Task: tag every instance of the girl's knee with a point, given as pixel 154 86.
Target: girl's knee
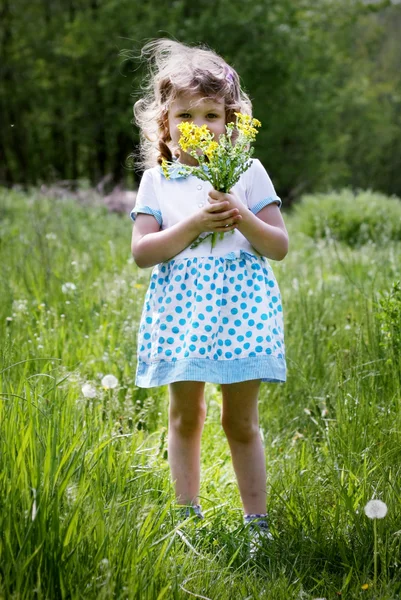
pixel 188 422
pixel 240 431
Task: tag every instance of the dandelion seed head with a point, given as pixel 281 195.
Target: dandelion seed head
pixel 88 390
pixel 109 382
pixel 376 509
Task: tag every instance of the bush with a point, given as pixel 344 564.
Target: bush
pixel 355 219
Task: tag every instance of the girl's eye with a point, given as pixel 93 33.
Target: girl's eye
pixel 185 116
pixel 212 116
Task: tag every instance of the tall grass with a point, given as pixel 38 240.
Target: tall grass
pixel 86 504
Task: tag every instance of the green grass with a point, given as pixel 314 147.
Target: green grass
pixel 86 504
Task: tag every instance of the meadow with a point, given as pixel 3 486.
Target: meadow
pixel 86 505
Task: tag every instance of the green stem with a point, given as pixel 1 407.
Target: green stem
pixel 375 552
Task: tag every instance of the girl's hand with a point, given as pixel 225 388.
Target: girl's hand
pixel 230 197
pixel 218 216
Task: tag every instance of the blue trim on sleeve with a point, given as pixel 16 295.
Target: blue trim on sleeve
pixel 265 202
pixel 147 211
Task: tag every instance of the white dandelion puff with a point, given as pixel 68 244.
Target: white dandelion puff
pixel 68 287
pixel 376 509
pixel 109 382
pixel 88 390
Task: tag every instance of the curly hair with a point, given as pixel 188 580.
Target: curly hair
pixel 176 68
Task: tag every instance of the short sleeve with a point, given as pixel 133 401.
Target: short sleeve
pixel 260 190
pixel 147 201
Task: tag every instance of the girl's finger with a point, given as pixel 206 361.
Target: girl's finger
pixel 215 195
pixel 226 215
pixel 212 201
pixel 216 206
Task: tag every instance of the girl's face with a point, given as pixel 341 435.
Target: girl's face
pixel 199 110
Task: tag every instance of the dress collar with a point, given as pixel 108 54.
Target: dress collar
pixel 174 170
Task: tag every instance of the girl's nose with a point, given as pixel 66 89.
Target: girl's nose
pixel 199 122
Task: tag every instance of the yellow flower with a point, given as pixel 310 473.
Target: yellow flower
pixel 193 136
pixel 186 128
pixel 247 125
pixel 183 144
pixel 165 168
pixel 243 118
pixel 211 149
pixel 204 131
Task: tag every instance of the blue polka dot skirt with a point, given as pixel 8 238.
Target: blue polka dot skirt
pixel 214 319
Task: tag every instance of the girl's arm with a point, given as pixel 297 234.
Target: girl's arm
pixel 266 231
pixel 151 246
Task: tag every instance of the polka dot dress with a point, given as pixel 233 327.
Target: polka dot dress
pixel 216 318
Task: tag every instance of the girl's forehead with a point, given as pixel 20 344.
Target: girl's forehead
pixel 196 101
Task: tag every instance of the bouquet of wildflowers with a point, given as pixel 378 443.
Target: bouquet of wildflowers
pixel 221 163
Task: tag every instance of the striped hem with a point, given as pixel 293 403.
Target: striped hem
pixel 255 209
pixel 265 368
pixel 147 211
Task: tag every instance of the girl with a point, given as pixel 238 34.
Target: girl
pixel 210 314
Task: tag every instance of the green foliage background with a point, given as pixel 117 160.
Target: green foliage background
pixel 324 78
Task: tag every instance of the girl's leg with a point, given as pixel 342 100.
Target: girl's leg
pixel 241 425
pixel 187 413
